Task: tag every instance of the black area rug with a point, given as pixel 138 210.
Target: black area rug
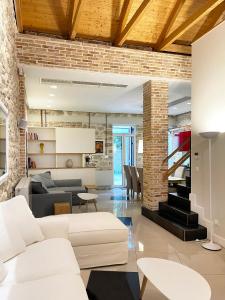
pixel 109 285
pixel 126 220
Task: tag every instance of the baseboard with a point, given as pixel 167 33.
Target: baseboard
pixel 204 221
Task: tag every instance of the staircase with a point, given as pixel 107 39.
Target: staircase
pixel 175 215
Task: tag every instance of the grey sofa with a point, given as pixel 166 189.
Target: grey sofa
pixel 42 198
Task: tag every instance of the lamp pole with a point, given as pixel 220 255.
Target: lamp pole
pixel 210 245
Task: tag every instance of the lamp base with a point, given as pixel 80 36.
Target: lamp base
pixel 211 246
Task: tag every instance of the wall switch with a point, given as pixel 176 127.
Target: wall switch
pixel 216 222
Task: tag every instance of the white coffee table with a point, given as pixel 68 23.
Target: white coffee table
pixel 174 280
pixel 88 198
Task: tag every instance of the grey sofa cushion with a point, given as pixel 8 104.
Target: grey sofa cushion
pixel 68 182
pixel 44 178
pixel 72 189
pixel 38 188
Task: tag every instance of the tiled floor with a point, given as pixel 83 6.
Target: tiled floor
pixel 147 239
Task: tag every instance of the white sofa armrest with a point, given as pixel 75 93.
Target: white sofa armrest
pixel 54 226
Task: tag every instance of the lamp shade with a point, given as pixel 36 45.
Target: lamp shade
pixel 140 146
pixel 209 134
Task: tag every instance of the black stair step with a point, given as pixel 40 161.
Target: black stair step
pixel 182 232
pixel 183 190
pixel 188 181
pixel 179 202
pixel 186 218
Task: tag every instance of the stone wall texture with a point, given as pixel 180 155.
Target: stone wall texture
pixel 9 94
pixel 71 119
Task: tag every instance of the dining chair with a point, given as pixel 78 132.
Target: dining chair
pixel 135 181
pixel 128 181
pixel 140 173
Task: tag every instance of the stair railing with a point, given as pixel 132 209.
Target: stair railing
pixel 187 140
pixel 177 164
pixel 172 169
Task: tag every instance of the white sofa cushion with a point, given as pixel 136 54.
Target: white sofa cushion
pixel 18 209
pixel 11 242
pixel 54 226
pixel 96 228
pixel 3 272
pixel 64 286
pixel 42 259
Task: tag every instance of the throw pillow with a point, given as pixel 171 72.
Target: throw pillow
pixel 45 179
pixel 3 272
pixel 18 209
pixel 11 241
pixel 38 188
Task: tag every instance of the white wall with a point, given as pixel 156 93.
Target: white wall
pixel 208 114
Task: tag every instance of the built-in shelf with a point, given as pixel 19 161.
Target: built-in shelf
pixel 53 168
pixel 41 141
pixel 46 153
pixel 42 153
pixel 57 141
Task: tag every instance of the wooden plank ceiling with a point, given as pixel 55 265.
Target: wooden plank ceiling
pixel 163 25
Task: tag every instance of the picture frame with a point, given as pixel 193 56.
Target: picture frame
pixel 99 147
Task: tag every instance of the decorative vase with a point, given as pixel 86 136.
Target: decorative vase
pixel 42 146
pixel 69 163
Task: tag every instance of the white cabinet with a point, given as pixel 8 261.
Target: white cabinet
pixel 75 140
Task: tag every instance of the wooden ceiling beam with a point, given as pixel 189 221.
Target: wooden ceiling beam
pixel 176 48
pixel 171 20
pixel 134 20
pixel 200 13
pixel 124 16
pixel 74 16
pixel 19 22
pixel 210 21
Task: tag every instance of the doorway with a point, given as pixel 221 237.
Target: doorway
pixel 123 151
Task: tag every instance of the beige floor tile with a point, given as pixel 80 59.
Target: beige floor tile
pixel 204 262
pixel 217 284
pixel 147 239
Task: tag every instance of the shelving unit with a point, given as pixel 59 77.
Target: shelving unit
pixel 53 158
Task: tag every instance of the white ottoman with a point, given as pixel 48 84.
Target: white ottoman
pixel 98 239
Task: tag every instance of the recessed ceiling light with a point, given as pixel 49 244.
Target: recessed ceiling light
pixel 51 95
pixel 189 103
pixel 53 86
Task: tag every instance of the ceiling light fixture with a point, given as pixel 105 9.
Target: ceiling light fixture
pixel 51 95
pixel 189 103
pixel 53 86
pixel 174 107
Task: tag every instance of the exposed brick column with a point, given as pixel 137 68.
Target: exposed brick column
pixel 155 94
pixel 23 115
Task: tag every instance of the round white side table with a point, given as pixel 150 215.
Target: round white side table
pixel 173 280
pixel 88 198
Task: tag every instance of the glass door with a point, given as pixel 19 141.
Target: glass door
pixel 123 152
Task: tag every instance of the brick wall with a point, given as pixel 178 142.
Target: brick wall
pixel 155 142
pixel 9 93
pixel 51 52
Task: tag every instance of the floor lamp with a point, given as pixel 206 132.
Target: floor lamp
pixel 210 245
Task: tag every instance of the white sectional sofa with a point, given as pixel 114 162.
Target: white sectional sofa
pixel 37 258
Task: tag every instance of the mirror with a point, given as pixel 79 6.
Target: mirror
pixel 3 142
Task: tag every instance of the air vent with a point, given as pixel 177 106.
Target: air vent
pixel 72 82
